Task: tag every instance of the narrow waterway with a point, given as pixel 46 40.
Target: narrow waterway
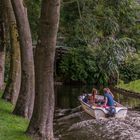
pixel 66 97
pixel 71 123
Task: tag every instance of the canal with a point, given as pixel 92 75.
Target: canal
pixel 67 97
pixel 77 125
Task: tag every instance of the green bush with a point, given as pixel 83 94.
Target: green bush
pixel 130 70
pixel 109 33
pixel 78 65
pixel 95 65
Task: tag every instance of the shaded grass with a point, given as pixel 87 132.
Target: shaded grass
pixel 133 86
pixel 12 127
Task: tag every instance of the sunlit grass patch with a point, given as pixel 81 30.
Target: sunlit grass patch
pixel 133 86
pixel 11 127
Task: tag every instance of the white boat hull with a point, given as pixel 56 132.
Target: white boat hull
pixel 101 112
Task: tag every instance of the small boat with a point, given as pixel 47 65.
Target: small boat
pixel 99 111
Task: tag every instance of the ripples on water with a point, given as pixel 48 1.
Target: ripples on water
pixel 77 125
pixel 80 126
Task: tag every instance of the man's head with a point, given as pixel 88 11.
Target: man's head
pixel 105 90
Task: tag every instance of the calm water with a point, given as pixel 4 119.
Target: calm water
pixel 66 97
pixel 80 126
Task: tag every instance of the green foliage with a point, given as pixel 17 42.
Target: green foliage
pixel 120 82
pixel 130 70
pixel 68 19
pixel 108 57
pixel 94 21
pixel 95 65
pixel 33 14
pixel 11 127
pixel 78 65
pixel 109 28
pixel 106 19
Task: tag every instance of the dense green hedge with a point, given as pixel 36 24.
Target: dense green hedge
pixel 130 70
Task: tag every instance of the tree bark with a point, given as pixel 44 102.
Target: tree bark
pixel 13 85
pixel 2 61
pixel 41 124
pixel 24 105
pixel 2 46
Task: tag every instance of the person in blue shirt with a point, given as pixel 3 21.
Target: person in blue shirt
pixel 109 101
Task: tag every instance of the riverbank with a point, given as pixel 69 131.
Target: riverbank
pixel 132 88
pixel 11 127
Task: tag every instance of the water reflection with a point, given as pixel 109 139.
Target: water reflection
pixel 127 101
pixel 66 97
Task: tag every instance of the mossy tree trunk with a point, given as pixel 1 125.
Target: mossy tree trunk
pixel 13 85
pixel 2 56
pixel 24 105
pixel 41 124
pixel 2 46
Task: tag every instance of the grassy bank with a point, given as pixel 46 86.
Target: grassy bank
pixel 11 126
pixel 133 86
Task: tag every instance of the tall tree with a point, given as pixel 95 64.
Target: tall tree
pixel 41 124
pixel 2 45
pixel 24 105
pixel 13 85
pixel 2 55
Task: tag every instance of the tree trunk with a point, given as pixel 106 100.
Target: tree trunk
pixel 2 61
pixel 2 46
pixel 13 85
pixel 24 105
pixel 41 124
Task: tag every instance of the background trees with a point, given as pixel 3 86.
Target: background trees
pixel 111 31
